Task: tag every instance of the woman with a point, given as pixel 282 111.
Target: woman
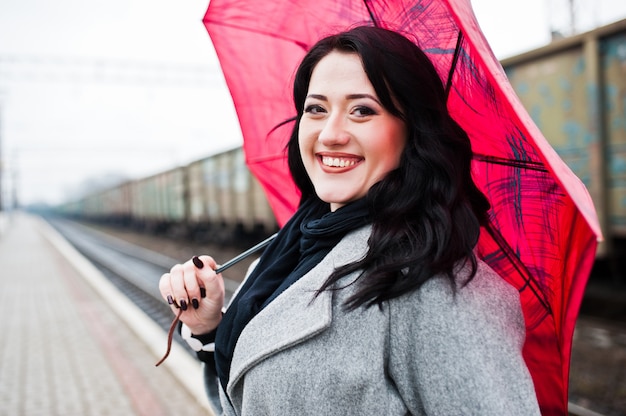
pixel 371 299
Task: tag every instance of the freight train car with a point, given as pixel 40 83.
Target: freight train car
pixel 158 201
pixel 575 91
pixel 215 198
pixel 112 206
pixel 223 194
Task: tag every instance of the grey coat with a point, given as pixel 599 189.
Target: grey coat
pixel 425 353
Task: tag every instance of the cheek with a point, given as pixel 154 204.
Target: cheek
pixel 306 151
pixel 305 140
pixel 390 151
pixel 303 147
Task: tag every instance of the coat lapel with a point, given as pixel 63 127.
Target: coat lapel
pixel 295 315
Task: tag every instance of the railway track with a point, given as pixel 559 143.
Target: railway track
pixel 135 271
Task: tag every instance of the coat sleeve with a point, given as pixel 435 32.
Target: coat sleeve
pixel 461 354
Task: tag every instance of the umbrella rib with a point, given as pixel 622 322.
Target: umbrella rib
pixel 522 164
pixel 518 265
pixel 455 59
pixel 369 11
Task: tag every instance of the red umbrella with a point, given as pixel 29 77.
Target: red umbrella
pixel 543 228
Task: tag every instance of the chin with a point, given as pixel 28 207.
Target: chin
pixel 336 194
pixel 336 203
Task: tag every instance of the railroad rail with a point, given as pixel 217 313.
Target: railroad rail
pixel 135 271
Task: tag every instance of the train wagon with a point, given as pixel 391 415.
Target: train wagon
pixel 109 205
pixel 225 199
pixel 575 91
pixel 158 201
pixel 215 198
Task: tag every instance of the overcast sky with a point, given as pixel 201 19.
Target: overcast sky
pixel 91 90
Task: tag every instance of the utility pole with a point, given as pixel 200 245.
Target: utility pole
pixel 562 17
pixel 1 163
pixel 572 16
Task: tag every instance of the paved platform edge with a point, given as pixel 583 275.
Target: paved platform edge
pixel 185 368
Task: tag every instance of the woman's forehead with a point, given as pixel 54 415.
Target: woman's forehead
pixel 339 70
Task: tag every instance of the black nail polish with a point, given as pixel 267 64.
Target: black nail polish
pixel 202 292
pixel 197 262
pixel 170 300
pixel 195 303
pixel 183 304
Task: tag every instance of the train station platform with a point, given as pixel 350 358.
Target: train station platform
pixel 71 344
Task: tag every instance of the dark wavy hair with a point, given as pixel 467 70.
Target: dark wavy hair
pixel 427 213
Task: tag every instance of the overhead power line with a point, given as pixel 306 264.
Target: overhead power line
pixel 51 69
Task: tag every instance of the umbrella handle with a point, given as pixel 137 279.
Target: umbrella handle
pixel 245 254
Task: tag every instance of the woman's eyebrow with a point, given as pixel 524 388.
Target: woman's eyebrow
pixel 349 97
pixel 317 96
pixel 358 96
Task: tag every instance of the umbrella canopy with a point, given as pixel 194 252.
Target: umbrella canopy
pixel 543 227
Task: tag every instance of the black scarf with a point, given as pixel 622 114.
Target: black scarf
pixel 300 245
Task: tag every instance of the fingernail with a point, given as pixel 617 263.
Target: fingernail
pixel 170 299
pixel 195 303
pixel 197 262
pixel 202 292
pixel 183 304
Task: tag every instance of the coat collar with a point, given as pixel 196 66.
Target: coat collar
pixel 296 314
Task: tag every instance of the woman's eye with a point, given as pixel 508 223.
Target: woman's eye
pixel 363 111
pixel 314 109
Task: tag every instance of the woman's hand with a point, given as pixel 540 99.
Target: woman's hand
pixel 198 291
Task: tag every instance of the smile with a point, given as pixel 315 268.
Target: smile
pixel 337 162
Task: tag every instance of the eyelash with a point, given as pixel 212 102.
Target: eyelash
pixel 364 110
pixel 313 108
pixel 360 110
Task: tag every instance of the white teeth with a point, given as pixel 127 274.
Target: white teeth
pixel 336 162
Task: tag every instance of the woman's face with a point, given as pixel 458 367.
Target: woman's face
pixel 348 140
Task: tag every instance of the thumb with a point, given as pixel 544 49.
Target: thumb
pixel 211 284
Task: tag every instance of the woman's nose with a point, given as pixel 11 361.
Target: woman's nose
pixel 334 132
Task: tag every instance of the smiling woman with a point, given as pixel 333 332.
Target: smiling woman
pixel 371 299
